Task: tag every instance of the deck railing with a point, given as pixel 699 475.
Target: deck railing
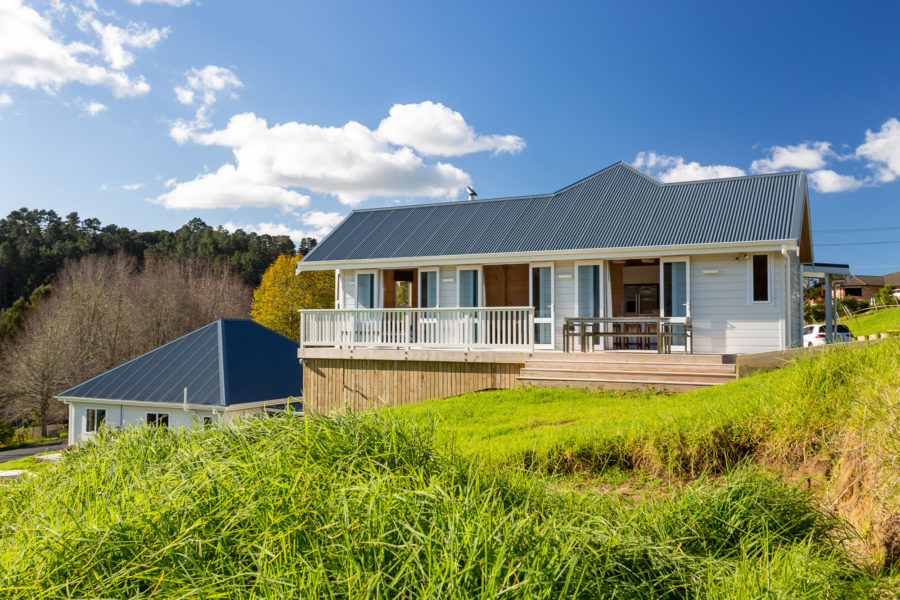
pixel 497 328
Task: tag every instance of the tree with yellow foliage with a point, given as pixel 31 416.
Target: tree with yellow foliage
pixel 281 294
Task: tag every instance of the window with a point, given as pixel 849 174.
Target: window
pixel 588 290
pixel 428 289
pixel 468 288
pixel 365 290
pixel 208 421
pixel 857 291
pixel 96 417
pixel 760 278
pixel 158 419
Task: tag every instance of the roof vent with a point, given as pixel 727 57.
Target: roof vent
pixel 472 193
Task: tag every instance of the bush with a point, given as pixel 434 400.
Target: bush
pixel 7 432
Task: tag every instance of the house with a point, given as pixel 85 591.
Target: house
pixel 719 259
pixel 866 287
pixel 221 371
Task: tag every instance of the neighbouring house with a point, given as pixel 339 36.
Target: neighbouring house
pixel 866 287
pixel 221 371
pixel 482 289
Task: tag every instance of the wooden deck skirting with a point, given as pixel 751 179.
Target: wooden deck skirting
pixel 358 384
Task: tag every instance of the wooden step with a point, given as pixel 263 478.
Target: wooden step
pixel 597 384
pixel 635 357
pixel 636 366
pixel 627 375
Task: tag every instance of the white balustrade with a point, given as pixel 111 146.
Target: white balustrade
pixel 496 328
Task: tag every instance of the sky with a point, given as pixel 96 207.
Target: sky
pixel 281 117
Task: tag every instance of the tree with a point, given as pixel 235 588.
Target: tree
pixel 886 295
pixel 282 293
pixel 104 311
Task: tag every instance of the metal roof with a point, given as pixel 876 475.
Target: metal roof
pixel 229 361
pixel 617 207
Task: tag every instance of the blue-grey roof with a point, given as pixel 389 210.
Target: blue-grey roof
pixel 229 361
pixel 617 207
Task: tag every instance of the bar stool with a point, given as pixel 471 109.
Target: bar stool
pixel 649 343
pixel 633 343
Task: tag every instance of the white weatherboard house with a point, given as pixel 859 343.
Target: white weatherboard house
pixel 720 258
pixel 224 370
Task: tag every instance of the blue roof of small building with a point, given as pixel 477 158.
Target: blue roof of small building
pixel 618 207
pixel 229 361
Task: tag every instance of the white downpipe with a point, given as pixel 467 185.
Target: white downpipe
pixel 787 294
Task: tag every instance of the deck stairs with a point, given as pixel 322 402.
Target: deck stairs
pixel 627 370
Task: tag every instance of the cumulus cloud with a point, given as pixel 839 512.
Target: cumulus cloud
pixel 204 84
pixel 130 187
pixel 882 151
pixel 829 182
pixel 352 162
pixel 33 55
pixel 5 99
pixel 674 168
pixel 806 156
pixel 115 40
pixel 321 225
pixel 94 108
pixel 433 129
pixel 229 188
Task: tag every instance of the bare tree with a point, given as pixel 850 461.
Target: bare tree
pixel 105 311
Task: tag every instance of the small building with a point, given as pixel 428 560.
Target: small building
pixel 866 287
pixel 224 370
pixel 485 293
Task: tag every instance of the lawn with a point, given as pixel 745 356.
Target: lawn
pixel 877 321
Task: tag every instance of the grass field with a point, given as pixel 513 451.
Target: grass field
pixel 877 321
pixel 451 498
pixel 373 506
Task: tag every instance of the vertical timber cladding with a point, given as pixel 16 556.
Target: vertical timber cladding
pixel 506 285
pixel 353 384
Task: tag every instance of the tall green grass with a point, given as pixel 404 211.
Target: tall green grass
pixel 372 505
pixel 876 321
pixel 809 407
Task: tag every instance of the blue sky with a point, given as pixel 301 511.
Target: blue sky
pixel 284 116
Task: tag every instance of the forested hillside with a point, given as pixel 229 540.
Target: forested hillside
pixel 36 244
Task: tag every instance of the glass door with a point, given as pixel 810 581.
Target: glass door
pixel 676 297
pixel 542 301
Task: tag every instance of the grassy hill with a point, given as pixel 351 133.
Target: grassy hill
pixel 876 321
pixel 459 498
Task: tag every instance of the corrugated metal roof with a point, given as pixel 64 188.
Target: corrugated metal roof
pixel 229 361
pixel 617 207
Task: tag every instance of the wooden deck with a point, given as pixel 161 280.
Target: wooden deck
pixel 362 378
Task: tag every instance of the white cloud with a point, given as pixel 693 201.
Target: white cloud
pixel 433 129
pixel 5 99
pixel 130 187
pixel 33 55
pixel 169 2
pixel 351 162
pixel 675 168
pixel 114 41
pixel 322 223
pixel 94 108
pixel 207 82
pixel 829 182
pixel 229 188
pixel 882 151
pixel 806 156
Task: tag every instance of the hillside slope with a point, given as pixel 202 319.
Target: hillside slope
pixel 876 321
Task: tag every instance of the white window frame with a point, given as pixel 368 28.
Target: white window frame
pixel 437 275
pixel 552 317
pixel 662 283
pixel 601 280
pixel 480 284
pixel 158 415
pixel 87 419
pixel 769 274
pixel 376 279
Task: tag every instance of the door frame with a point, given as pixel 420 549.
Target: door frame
pixel 552 318
pixel 687 291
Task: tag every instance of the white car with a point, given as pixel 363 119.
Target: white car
pixel 814 335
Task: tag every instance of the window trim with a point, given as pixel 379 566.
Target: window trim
pixel 769 283
pixel 376 297
pixel 87 420
pixel 480 286
pixel 601 281
pixel 155 422
pixel 437 288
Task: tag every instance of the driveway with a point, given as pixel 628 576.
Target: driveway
pixel 32 450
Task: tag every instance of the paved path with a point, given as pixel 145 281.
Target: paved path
pixel 32 450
